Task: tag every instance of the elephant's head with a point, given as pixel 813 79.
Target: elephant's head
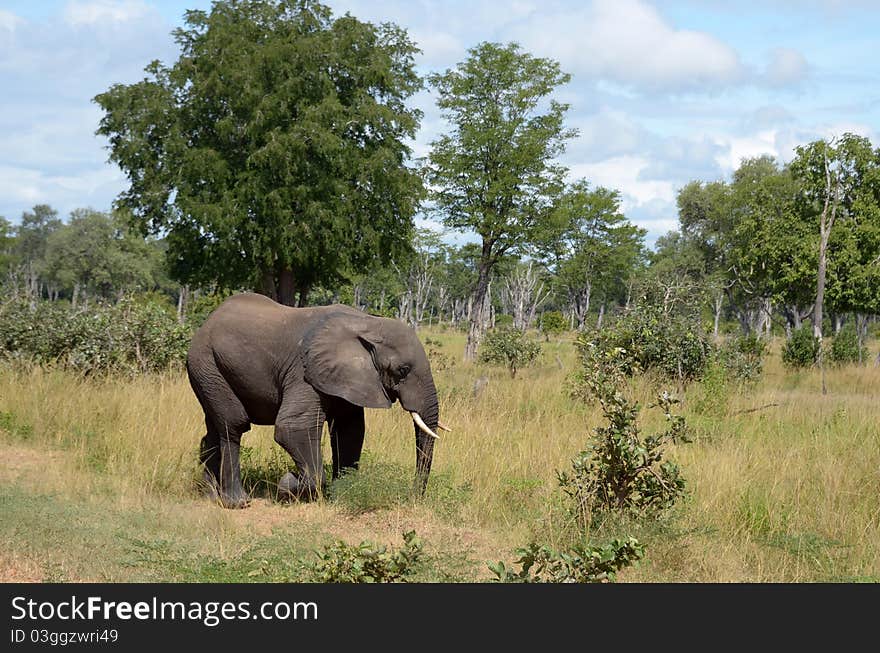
pixel 373 362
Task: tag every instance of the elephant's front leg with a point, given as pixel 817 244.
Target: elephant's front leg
pixel 301 438
pixel 346 423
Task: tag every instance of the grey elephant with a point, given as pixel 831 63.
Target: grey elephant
pixel 257 362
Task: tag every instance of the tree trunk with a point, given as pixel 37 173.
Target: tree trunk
pixel 795 317
pixel 861 333
pixel 267 285
pixel 286 287
pixel 582 304
pixel 479 313
pixel 826 223
pixel 304 292
pixel 601 315
pixel 182 301
pixel 718 305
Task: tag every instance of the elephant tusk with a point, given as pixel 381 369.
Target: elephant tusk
pixel 443 426
pixel 421 424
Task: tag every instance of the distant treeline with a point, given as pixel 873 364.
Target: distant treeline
pixel 300 183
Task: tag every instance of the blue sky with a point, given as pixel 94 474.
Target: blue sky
pixel 662 91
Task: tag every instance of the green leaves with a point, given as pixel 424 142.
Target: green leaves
pixel 510 347
pixel 621 470
pixel 494 173
pixel 594 564
pixel 801 349
pixel 596 250
pixel 367 562
pixel 276 144
pixel 132 336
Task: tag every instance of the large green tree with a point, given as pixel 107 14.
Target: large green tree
pixel 273 154
pixel 494 173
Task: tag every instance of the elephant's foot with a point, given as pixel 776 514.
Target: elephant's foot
pixel 294 488
pixel 234 500
pixel 208 487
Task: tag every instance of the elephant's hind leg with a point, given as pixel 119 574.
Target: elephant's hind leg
pixel 209 457
pixel 226 421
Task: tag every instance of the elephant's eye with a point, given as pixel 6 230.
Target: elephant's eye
pixel 402 371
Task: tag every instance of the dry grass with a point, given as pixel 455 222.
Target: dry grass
pixel 784 493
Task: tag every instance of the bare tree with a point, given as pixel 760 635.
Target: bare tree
pixel 522 293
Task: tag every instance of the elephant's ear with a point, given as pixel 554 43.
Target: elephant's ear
pixel 338 360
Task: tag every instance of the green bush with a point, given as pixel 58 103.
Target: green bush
pixel 509 347
pixel 130 336
pixel 674 345
pixel 742 358
pixel 552 323
pixel 503 321
pixel 367 562
pixel 596 564
pixel 621 470
pixel 801 349
pixel 846 348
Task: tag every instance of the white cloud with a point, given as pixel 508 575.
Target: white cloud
pixel 89 12
pixel 93 187
pixel 770 115
pixel 622 173
pixel 786 67
pixel 737 148
pixel 438 48
pixel 9 21
pixel 628 41
pixel 607 133
pixel 781 142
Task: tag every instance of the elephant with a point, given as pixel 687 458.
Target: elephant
pixel 255 361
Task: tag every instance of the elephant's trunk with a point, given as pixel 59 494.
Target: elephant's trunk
pixel 424 458
pixel 425 424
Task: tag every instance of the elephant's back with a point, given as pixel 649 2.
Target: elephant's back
pixel 239 346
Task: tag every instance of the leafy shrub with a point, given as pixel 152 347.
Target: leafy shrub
pixel 367 562
pixel 621 470
pixel 596 564
pixel 509 347
pixel 742 358
pixel 552 323
pixel 846 348
pixel 439 359
pixel 129 336
pixel 675 345
pixel 801 349
pixel 503 321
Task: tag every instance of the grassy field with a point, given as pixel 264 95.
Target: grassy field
pixel 97 480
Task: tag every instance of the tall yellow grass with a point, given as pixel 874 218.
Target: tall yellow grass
pixel 784 482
